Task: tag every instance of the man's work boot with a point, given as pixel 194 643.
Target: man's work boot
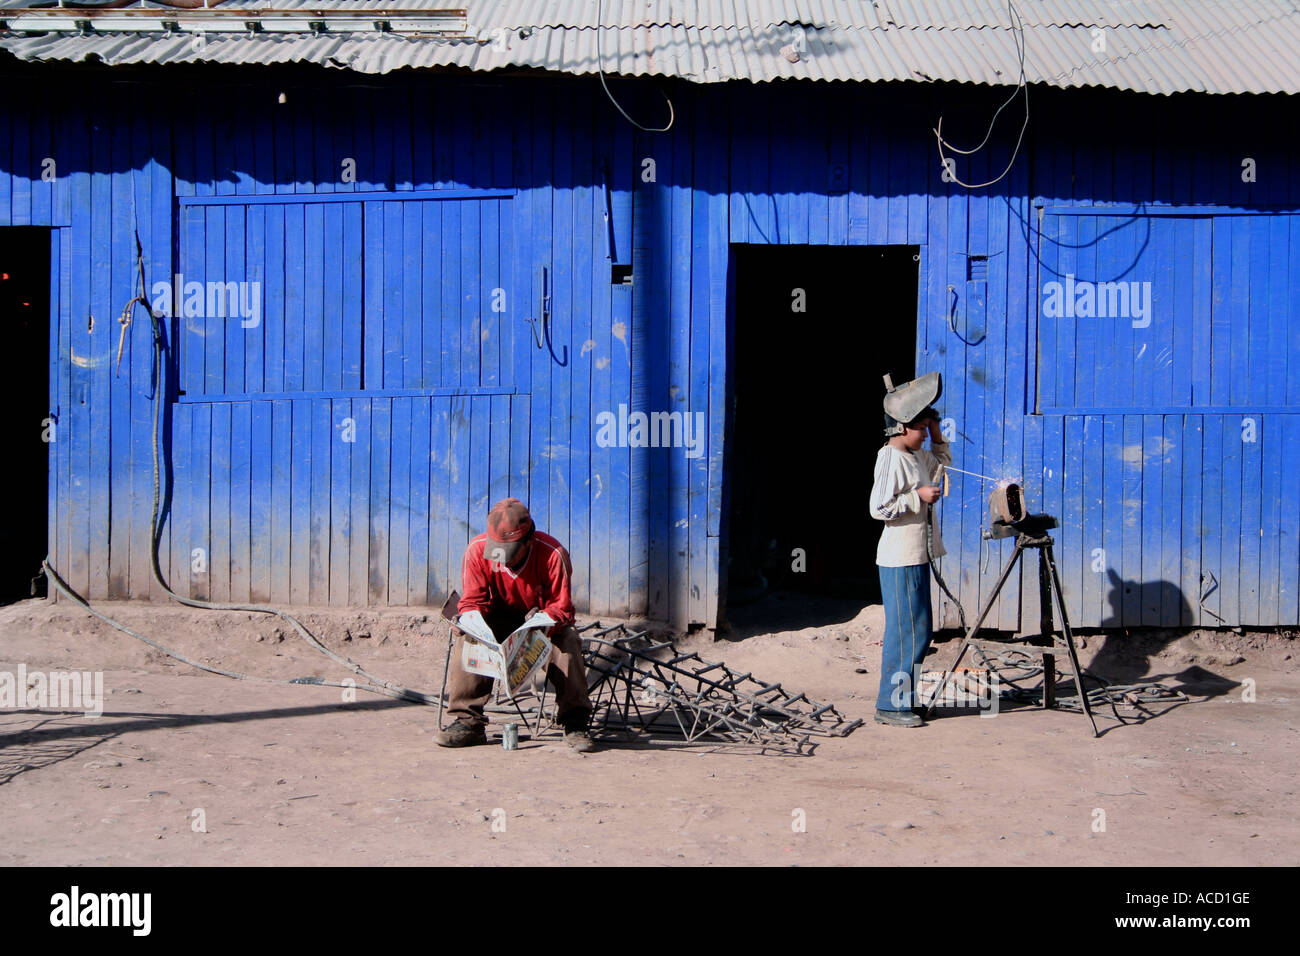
pixel 898 718
pixel 575 732
pixel 461 734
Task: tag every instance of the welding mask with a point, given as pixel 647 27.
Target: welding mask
pixel 911 401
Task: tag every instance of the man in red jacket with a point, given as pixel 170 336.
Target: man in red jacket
pixel 508 573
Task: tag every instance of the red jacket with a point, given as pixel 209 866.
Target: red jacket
pixel 543 581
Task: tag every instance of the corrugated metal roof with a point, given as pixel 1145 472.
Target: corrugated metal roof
pixel 1153 46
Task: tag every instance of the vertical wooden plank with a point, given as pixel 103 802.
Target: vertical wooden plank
pixel 255 272
pixel 1251 529
pixel 711 227
pixel 1073 534
pixel 420 512
pixel 1171 508
pixel 372 369
pixel 336 334
pixel 359 505
pixel 412 313
pixel 241 465
pixel 322 447
pixel 471 303
pixel 161 231
pixel 100 354
pixel 219 505
pixel 343 441
pixel 399 502
pixel 1093 551
pixel 451 299
pixel 1116 491
pixel 623 175
pixel 314 298
pixel 300 504
pixel 261 459
pixel 200 489
pixel 275 304
pixel 295 302
pixel 393 290
pixel 1288 533
pixel 490 327
pixel 352 314
pixel 460 525
pixel 540 231
pixel 431 279
pixel 380 489
pixel 1152 463
pixel 580 430
pixel 233 330
pixel 1232 546
pixel 1190 541
pixel 444 567
pixel 1273 495
pixel 212 323
pixel 1212 503
pixel 1131 503
pixel 479 460
pixel 180 580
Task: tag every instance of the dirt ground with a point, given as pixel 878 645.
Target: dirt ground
pixel 188 768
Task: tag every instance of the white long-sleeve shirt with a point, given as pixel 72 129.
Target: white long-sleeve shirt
pixel 894 500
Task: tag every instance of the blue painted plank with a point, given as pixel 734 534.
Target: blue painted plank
pixel 399 501
pixel 1114 481
pixel 1092 542
pixel 540 230
pixel 353 296
pixel 336 335
pixel 412 311
pixel 299 112
pixel 1192 523
pixel 241 474
pixel 1251 530
pixel 470 310
pixel 213 324
pixel 380 491
pixel 1073 535
pixel 430 295
pixel 1131 502
pixel 124 284
pixel 255 271
pixel 1274 307
pixel 1171 508
pixel 1288 532
pixel 359 505
pixel 343 443
pixel 300 505
pixel 179 518
pixel 261 490
pixel 275 305
pixel 393 303
pixel 623 176
pixel 200 490
pixel 1238 369
pixel 498 448
pixel 372 369
pixel 1272 493
pixel 444 566
pixel 295 301
pixel 587 227
pixel 314 290
pixel 1232 551
pixel 451 297
pixel 490 320
pixel 479 461
pixel 1212 560
pixel 236 333
pixel 318 561
pixel 1152 463
pixel 219 505
pixel 461 524
pixel 420 513
pixel 104 306
pixel 327 170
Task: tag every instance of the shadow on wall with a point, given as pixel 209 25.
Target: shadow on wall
pixel 1127 654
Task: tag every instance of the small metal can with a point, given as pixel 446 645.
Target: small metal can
pixel 510 737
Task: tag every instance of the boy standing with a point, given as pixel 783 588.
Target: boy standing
pixel 904 490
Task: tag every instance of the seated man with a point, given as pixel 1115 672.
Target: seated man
pixel 510 572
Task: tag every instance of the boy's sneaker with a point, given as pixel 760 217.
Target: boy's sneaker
pixel 898 718
pixel 461 734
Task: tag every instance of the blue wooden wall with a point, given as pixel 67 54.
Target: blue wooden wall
pixel 344 448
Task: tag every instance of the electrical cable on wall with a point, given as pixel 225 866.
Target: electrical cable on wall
pixel 1018 35
pixel 600 69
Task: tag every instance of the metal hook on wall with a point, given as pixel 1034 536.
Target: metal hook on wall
pixel 544 340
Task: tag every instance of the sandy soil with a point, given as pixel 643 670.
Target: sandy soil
pixel 295 775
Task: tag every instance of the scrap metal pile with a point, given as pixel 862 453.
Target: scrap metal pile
pixel 646 689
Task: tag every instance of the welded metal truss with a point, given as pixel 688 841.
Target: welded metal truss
pixel 647 688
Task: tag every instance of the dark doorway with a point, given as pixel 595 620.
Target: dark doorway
pixel 806 419
pixel 25 318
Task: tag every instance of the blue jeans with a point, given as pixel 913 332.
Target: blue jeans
pixel 906 594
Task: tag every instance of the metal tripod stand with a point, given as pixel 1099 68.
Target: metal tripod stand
pixel 1031 532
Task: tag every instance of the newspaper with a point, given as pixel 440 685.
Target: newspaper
pixel 513 661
